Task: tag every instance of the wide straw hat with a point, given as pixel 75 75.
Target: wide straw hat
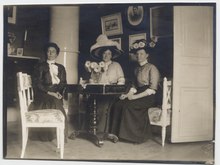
pixel 102 44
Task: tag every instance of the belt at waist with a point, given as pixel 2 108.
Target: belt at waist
pixel 141 89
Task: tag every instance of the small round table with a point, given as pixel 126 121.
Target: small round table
pixel 94 90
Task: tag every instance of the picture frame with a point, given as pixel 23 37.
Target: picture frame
pixel 134 37
pixel 112 24
pixel 161 21
pixel 135 14
pixel 117 40
pixel 12 13
pixel 20 51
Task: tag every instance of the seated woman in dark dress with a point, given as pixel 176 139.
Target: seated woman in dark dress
pixel 49 81
pixel 129 119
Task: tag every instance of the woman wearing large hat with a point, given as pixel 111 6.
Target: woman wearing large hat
pixel 129 114
pixel 106 50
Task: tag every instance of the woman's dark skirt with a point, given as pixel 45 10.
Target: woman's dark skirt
pixel 129 119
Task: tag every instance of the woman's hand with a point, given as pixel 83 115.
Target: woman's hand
pixel 132 97
pixel 57 94
pixel 123 96
pixel 129 94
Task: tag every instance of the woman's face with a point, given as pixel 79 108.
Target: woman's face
pixel 107 55
pixel 51 53
pixel 141 55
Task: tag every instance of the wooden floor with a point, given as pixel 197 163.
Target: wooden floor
pixel 83 149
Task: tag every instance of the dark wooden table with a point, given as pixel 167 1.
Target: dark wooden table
pixel 94 90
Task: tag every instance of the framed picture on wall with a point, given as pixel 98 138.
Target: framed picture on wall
pixel 112 24
pixel 135 14
pixel 118 40
pixel 161 21
pixel 134 37
pixel 20 51
pixel 12 14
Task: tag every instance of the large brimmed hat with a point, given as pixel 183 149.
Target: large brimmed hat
pixel 102 44
pixel 140 44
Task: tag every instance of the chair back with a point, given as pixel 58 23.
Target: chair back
pixel 167 101
pixel 25 93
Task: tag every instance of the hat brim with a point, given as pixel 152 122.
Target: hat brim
pixel 133 51
pixel 97 52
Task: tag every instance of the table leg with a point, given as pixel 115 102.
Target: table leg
pixel 92 134
pixel 93 126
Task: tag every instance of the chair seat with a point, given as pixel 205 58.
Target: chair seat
pixel 45 116
pixel 155 116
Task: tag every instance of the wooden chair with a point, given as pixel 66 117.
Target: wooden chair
pixel 37 118
pixel 161 116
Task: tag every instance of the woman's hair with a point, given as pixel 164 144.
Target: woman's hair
pixel 145 49
pixel 51 44
pixel 106 48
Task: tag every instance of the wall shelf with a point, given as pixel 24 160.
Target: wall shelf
pixel 24 57
pixel 14 65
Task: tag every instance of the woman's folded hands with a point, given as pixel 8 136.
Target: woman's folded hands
pixel 55 94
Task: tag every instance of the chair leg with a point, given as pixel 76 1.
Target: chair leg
pixel 58 137
pixel 24 140
pixel 163 135
pixel 61 142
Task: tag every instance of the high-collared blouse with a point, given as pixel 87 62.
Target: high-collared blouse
pixel 148 75
pixel 42 79
pixel 113 74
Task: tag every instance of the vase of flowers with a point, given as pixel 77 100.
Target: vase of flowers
pixel 96 70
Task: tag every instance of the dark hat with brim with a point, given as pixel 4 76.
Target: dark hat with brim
pixel 140 44
pixel 102 44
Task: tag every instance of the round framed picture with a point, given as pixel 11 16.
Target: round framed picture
pixel 135 14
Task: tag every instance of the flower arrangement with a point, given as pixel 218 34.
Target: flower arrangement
pixel 94 66
pixel 143 44
pixel 96 69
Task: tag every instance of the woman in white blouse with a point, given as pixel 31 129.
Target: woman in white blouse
pixel 107 50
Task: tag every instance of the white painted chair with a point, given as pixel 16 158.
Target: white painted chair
pixel 161 116
pixel 37 118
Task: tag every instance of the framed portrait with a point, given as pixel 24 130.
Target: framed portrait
pixel 161 21
pixel 134 37
pixel 112 24
pixel 20 51
pixel 12 14
pixel 118 40
pixel 135 14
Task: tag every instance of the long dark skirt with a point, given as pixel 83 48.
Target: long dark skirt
pixel 104 104
pixel 47 102
pixel 129 119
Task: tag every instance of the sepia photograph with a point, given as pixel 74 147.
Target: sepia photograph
pixel 80 85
